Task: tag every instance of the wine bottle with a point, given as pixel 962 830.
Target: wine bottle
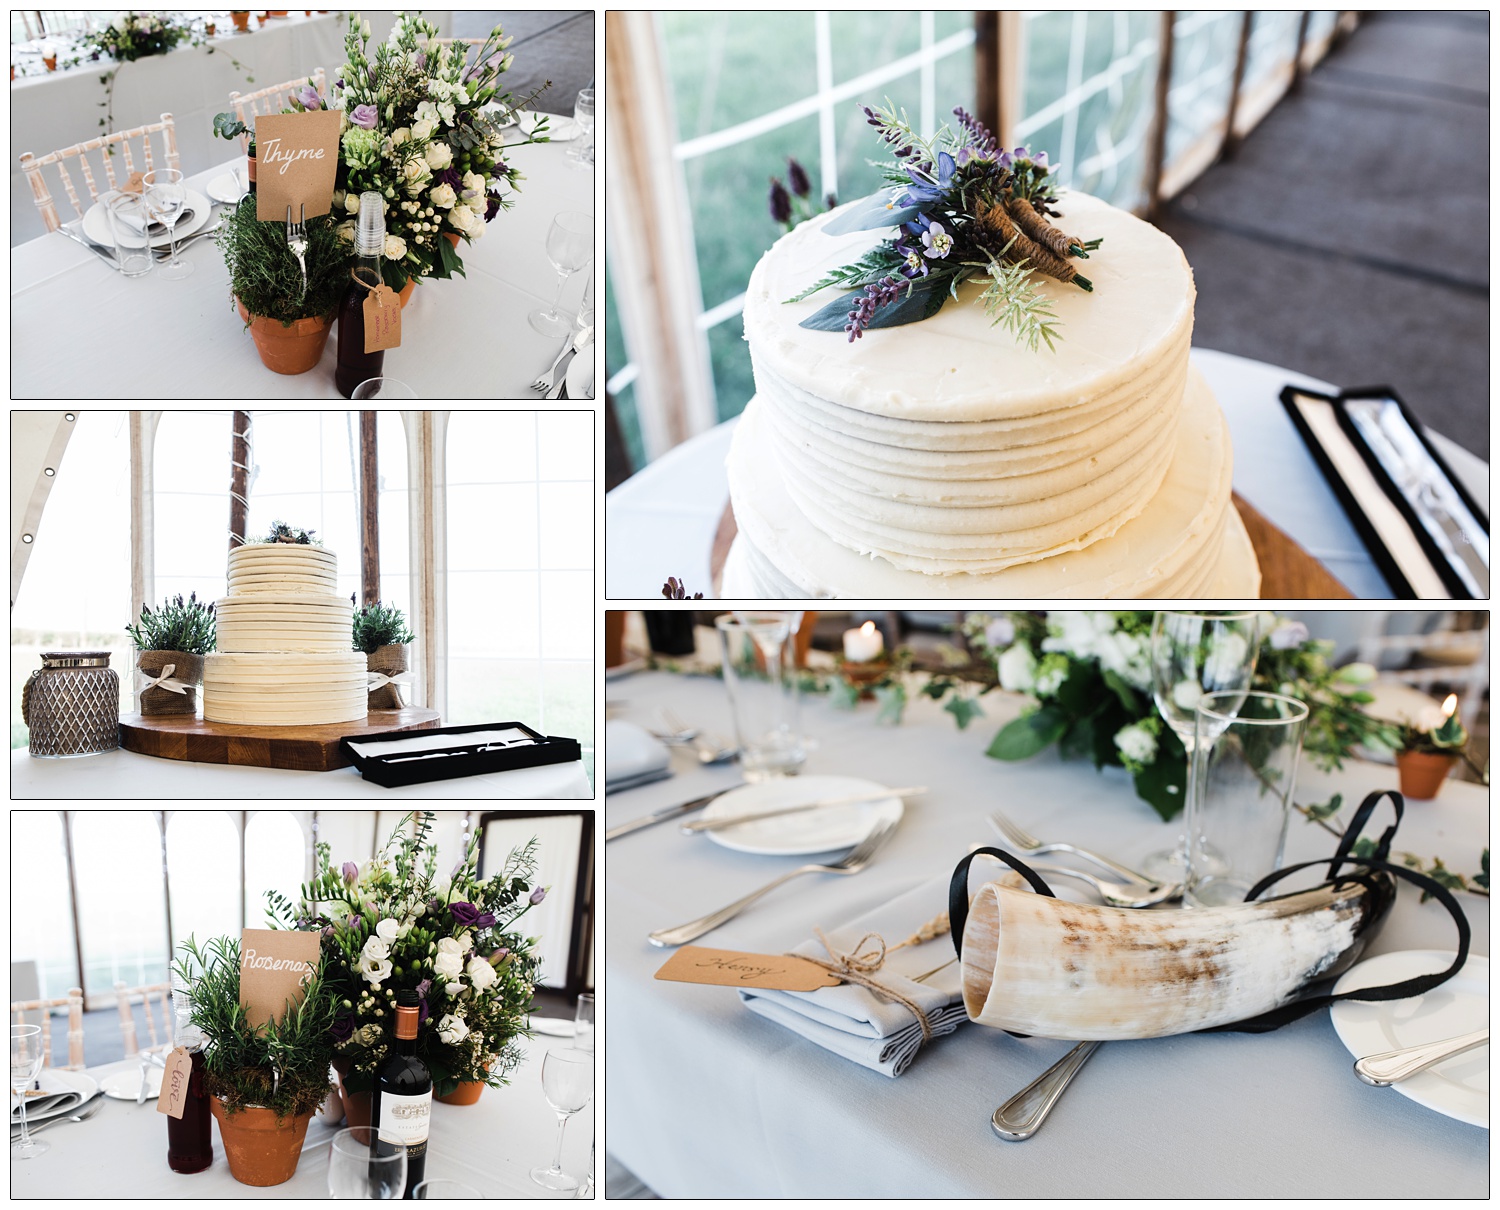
pixel 401 1106
pixel 354 364
pixel 190 1144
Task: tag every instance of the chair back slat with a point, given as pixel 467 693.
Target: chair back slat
pixel 73 1001
pixel 125 998
pixel 32 165
pixel 272 99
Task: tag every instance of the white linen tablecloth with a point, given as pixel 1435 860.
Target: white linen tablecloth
pixel 122 774
pixel 80 331
pixel 661 521
pixel 492 1145
pixel 708 1100
pixel 62 108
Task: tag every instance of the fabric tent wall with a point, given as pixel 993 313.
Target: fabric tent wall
pixel 37 442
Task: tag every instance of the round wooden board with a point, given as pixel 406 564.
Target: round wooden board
pixel 1287 572
pixel 180 737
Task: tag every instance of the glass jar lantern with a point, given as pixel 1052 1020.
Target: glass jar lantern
pixel 72 705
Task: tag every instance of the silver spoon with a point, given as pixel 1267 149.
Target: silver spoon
pixel 77 1117
pixel 1022 1116
pixel 1397 1065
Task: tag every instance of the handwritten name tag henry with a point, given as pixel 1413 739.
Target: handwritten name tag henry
pixel 296 161
pixel 275 966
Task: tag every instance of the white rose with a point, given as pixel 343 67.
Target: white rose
pixel 395 249
pixel 481 973
pixel 400 135
pixel 423 128
pixel 448 965
pixel 1018 669
pixel 451 1029
pixel 377 947
pixel 461 217
pixel 346 230
pixel 443 196
pixel 351 203
pixel 439 155
pixel 415 168
pixel 449 945
pixel 476 230
pixel 387 929
pixel 473 184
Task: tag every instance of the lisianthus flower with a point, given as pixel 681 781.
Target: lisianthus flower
pixel 309 97
pixel 375 972
pixel 469 916
pixel 364 115
pixel 538 894
pixel 481 974
pixel 342 1028
pixel 452 1030
pixel 387 930
pixel 349 869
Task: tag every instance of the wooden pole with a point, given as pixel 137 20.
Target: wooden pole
pixel 1301 43
pixel 1008 78
pixel 987 68
pixel 1156 161
pixel 67 822
pixel 369 510
pixel 1232 140
pixel 239 478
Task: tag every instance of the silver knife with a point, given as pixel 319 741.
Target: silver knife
pixel 645 821
pixel 95 249
pixel 562 377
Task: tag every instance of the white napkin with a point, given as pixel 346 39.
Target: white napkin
pixel 58 1096
pixel 632 755
pixel 856 1022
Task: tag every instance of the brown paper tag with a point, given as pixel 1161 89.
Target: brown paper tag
pixel 274 966
pixel 733 968
pixel 136 184
pixel 297 157
pixel 174 1083
pixel 382 319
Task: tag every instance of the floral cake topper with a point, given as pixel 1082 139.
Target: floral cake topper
pixel 963 210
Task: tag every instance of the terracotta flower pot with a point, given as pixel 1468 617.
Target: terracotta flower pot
pixel 467 1093
pixel 1423 773
pixel 405 294
pixel 262 1149
pixel 250 168
pixel 451 237
pixel 241 19
pixel 293 349
pixel 357 1105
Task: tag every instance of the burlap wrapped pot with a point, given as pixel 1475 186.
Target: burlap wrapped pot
pixel 390 660
pixel 186 668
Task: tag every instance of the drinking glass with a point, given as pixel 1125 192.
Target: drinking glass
pixel 583 113
pixel 166 195
pixel 363 1165
pixel 383 388
pixel 1236 824
pixel 583 1021
pixel 760 674
pixel 129 217
pixel 25 1061
pixel 445 1190
pixel 568 1084
pixel 1192 654
pixel 570 247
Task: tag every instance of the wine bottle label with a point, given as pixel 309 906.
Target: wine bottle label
pixel 404 1119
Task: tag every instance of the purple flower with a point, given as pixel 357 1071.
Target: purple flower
pixel 466 915
pixel 342 1028
pixel 499 956
pixel 914 264
pixel 925 189
pixel 780 201
pixel 1288 635
pixel 539 894
pixel 877 294
pixel 492 208
pixel 1000 633
pixel 350 872
pixel 308 95
pixel 796 178
pixel 454 178
pixel 327 931
pixel 364 115
pixel 937 242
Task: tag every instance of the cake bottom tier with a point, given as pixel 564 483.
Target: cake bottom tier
pixel 1187 543
pixel 290 689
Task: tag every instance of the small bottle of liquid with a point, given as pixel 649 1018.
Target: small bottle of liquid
pixel 190 1144
pixel 354 364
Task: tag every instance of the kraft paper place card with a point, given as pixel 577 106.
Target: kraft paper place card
pixel 274 965
pixel 732 968
pixel 296 160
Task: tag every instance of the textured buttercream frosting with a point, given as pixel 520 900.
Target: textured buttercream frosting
pixel 278 690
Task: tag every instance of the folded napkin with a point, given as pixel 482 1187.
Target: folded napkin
pixel 860 1024
pixel 632 756
pixel 54 1095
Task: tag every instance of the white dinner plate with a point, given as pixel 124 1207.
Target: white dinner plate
pixel 54 1078
pixel 623 670
pixel 125 1085
pixel 807 831
pixel 1458 1087
pixel 560 129
pixel 96 222
pixel 225 188
pixel 580 376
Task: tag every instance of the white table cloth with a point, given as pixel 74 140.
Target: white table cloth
pixel 80 331
pixel 52 111
pixel 492 1145
pixel 661 521
pixel 122 774
pixel 708 1100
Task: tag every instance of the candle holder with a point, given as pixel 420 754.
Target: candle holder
pixel 866 674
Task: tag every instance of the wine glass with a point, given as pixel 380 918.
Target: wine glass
pixel 166 195
pixel 383 388
pixel 445 1190
pixel 570 247
pixel 583 114
pixel 363 1165
pixel 583 1023
pixel 25 1061
pixel 1192 654
pixel 568 1084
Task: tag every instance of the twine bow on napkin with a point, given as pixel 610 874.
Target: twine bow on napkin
pixel 145 683
pixel 379 679
pixel 859 965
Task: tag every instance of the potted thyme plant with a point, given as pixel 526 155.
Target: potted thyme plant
pixel 288 319
pixel 265 1083
pixel 171 642
pixel 380 632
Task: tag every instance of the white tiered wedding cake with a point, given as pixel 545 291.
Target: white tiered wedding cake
pixel 284 653
pixel 944 459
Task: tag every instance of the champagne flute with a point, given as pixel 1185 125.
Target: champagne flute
pixel 361 1165
pixel 570 247
pixel 26 1056
pixel 583 114
pixel 583 1023
pixel 166 195
pixel 568 1084
pixel 1194 653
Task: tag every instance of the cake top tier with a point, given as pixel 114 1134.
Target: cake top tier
pixel 284 567
pixel 957 365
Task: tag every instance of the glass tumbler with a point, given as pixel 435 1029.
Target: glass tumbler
pixel 760 674
pixel 128 220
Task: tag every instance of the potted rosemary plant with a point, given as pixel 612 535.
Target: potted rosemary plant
pixel 171 642
pixel 380 632
pixel 288 319
pixel 1427 754
pixel 265 1083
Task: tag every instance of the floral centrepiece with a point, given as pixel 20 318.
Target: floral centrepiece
pixel 418 132
pixel 964 210
pixel 133 35
pixel 393 924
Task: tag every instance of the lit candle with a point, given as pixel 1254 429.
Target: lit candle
pixel 1450 704
pixel 863 645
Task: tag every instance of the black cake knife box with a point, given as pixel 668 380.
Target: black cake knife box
pixel 458 759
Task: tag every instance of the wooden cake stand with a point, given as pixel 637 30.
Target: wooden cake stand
pixel 184 737
pixel 1286 570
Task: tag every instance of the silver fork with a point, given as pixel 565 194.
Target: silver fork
pixel 711 749
pixel 1116 894
pixel 544 382
pixel 851 863
pixel 1024 840
pixel 296 240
